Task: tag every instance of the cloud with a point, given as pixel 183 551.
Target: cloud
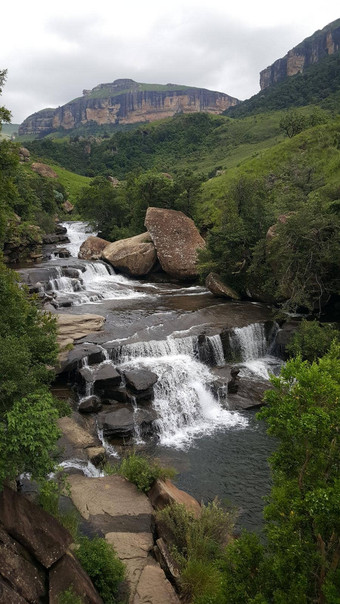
pixel 205 48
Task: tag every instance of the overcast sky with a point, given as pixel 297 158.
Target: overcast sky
pixel 53 50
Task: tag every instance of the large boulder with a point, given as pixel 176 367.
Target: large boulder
pixel 123 423
pixel 43 536
pixel 134 256
pixel 92 247
pixel 106 380
pixel 164 492
pixel 176 240
pixel 214 284
pixel 139 380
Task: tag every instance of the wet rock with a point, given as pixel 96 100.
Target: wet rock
pixel 176 240
pixel 67 573
pixel 63 253
pixel 134 256
pixel 60 229
pixel 122 423
pixel 164 492
pixel 106 380
pixel 96 455
pixel 220 289
pixel 43 536
pixel 74 327
pixel 52 238
pixel 140 380
pixel 91 404
pixel 92 247
pixel 233 383
pixel 121 395
pixel 91 352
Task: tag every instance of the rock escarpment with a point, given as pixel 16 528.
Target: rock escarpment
pixel 126 102
pixel 321 44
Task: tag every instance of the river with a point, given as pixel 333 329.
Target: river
pixel 161 326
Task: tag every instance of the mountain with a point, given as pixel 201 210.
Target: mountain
pixel 125 102
pixel 321 44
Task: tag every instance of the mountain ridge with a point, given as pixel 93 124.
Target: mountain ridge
pixel 124 102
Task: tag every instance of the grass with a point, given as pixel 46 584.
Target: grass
pixel 72 182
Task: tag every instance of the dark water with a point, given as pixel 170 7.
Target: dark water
pixel 232 465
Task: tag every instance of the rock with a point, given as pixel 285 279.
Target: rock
pixel 135 256
pixel 68 207
pixel 139 380
pixel 233 384
pixel 8 596
pixel 75 327
pixel 43 536
pixel 91 352
pixel 122 423
pixel 63 253
pixel 133 549
pixel 153 587
pixel 24 154
pixel 21 575
pixel 66 573
pixel 76 434
pixel 219 289
pixel 176 240
pixel 52 238
pixel 91 404
pixel 112 504
pixel 282 219
pixel 96 455
pixel 92 247
pixel 44 170
pixel 164 492
pixel 106 380
pixel 114 181
pixel 60 229
pixel 166 561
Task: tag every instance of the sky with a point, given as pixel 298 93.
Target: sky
pixel 54 50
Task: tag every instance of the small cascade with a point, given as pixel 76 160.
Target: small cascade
pixel 110 450
pixel 86 467
pixel 138 437
pixel 252 345
pixel 77 232
pixel 217 350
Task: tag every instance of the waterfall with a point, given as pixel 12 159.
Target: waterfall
pixel 184 403
pixel 252 345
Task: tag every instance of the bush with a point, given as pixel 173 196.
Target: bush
pixel 142 471
pixel 101 563
pixel 312 340
pixel 69 597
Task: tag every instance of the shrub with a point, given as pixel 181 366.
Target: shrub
pixel 312 340
pixel 142 471
pixel 69 597
pixel 101 563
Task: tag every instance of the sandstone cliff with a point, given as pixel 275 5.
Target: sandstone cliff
pixel 322 43
pixel 126 102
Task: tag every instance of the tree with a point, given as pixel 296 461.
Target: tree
pixel 292 123
pixel 300 560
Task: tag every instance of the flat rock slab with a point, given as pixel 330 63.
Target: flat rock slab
pixel 133 549
pixel 114 497
pixel 74 327
pixel 154 588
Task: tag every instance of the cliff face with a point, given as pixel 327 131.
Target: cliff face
pixel 322 43
pixel 126 102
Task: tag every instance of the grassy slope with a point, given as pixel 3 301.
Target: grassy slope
pixel 72 182
pixel 316 148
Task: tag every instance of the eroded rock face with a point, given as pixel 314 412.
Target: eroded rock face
pixel 219 289
pixel 92 247
pixel 313 49
pixel 176 240
pixel 134 256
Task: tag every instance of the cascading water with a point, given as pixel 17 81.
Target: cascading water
pixel 253 347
